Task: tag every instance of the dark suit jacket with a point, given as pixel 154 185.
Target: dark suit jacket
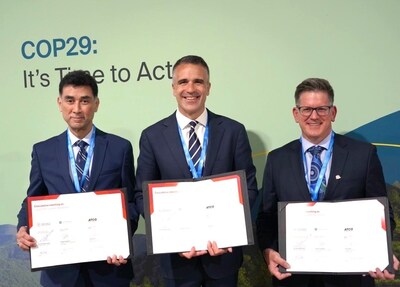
pixel 162 158
pixel 361 176
pixel 112 167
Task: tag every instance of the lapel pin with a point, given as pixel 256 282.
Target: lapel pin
pixel 338 177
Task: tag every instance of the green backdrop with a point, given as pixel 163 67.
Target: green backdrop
pixel 258 51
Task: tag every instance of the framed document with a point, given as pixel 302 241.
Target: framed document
pixel 340 237
pixel 186 213
pixel 78 227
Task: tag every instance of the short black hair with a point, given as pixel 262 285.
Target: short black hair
pixel 314 84
pixel 79 78
pixel 192 59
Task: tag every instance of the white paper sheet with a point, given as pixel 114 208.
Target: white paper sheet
pixel 342 237
pixel 78 227
pixel 187 214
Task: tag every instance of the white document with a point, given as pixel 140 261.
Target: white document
pixel 78 227
pixel 191 213
pixel 340 237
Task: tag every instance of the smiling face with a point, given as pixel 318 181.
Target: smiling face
pixel 314 127
pixel 191 86
pixel 78 105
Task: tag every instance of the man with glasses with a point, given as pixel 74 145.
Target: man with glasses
pixel 349 169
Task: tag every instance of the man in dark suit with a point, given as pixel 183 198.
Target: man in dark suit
pixel 109 165
pixel 165 154
pixel 351 169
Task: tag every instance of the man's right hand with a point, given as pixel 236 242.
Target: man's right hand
pixel 192 253
pixel 274 260
pixel 24 240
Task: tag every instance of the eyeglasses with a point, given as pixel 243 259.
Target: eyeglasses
pixel 321 111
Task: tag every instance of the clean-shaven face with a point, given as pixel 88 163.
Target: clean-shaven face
pixel 315 127
pixel 191 86
pixel 78 105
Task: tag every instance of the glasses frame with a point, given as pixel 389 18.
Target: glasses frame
pixel 301 110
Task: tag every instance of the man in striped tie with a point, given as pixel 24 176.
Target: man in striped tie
pixel 191 143
pixel 81 159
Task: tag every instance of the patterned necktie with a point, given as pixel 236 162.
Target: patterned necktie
pixel 194 145
pixel 316 165
pixel 80 162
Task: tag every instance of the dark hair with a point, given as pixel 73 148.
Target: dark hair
pixel 314 84
pixel 79 78
pixel 192 59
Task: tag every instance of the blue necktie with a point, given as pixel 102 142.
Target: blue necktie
pixel 194 145
pixel 316 165
pixel 80 162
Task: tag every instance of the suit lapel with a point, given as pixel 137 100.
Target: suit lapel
pixel 172 141
pixel 339 158
pixel 99 154
pixel 63 161
pixel 215 135
pixel 296 161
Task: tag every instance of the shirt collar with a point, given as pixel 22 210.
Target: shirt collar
pixel 183 121
pixel 73 138
pixel 324 143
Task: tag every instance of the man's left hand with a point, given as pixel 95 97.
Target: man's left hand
pixel 385 275
pixel 117 261
pixel 213 249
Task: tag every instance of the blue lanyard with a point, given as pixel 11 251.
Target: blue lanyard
pixel 328 155
pixel 195 173
pixel 78 185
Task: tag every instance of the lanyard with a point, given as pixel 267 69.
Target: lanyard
pixel 78 185
pixel 328 155
pixel 195 173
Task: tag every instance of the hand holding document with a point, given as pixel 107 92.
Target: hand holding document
pixel 187 213
pixel 335 237
pixel 78 227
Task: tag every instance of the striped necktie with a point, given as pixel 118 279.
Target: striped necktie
pixel 80 162
pixel 194 145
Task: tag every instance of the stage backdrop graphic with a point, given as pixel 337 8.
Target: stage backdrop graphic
pixel 257 51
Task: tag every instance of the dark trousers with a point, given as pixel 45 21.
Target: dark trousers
pixel 205 281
